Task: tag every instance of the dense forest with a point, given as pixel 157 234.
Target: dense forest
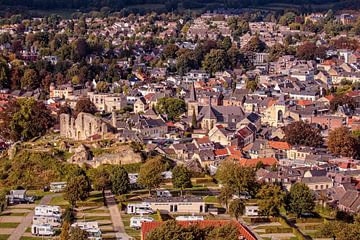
pixel 168 4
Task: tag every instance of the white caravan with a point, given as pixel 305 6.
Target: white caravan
pixel 139 208
pixel 42 230
pixel 135 222
pixel 92 229
pixel 41 220
pixel 46 210
pixel 163 193
pixel 189 218
pixel 57 186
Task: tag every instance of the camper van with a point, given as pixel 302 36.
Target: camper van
pixel 41 220
pixel 92 229
pixel 42 230
pixel 189 218
pixel 19 196
pixel 135 222
pixel 163 193
pixel 57 187
pixel 46 210
pixel 139 208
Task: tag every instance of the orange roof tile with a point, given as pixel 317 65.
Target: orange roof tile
pixel 221 152
pixel 253 162
pixel 271 102
pixel 304 102
pixel 279 145
pixel 329 97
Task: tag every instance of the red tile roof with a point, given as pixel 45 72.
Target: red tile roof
pixel 147 227
pixel 221 152
pixel 253 162
pixel 279 145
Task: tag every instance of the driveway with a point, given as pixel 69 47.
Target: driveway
pixel 116 216
pixel 26 221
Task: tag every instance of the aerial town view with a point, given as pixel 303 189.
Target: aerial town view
pixel 180 119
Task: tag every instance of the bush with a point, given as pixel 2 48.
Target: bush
pixel 278 230
pixel 203 180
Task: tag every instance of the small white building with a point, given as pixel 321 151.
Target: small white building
pixel 135 222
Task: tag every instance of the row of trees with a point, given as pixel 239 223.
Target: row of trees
pixel 237 180
pixel 341 141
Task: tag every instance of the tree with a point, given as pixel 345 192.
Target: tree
pixel 341 100
pixel 181 178
pixel 287 18
pixel 3 200
pixel 302 133
pixel 77 233
pixel 30 80
pixel 215 61
pixel 102 87
pixel 24 118
pixel 150 174
pixel 254 45
pixel 251 85
pixel 224 232
pixel 85 105
pixel 170 51
pixel 225 196
pixel 342 143
pixel 77 188
pixel 309 51
pixel 120 180
pixel 237 178
pixel 172 107
pixel 65 235
pixel 237 208
pixel 271 199
pixel 300 199
pixel 238 27
pixel 185 61
pixel 100 178
pixel 4 74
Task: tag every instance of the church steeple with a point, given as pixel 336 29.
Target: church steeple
pixel 192 93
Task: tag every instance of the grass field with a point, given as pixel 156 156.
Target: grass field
pixel 4 237
pixel 8 225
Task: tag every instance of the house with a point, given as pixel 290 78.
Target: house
pixel 255 161
pixel 188 204
pixel 140 105
pixel 350 202
pixel 318 182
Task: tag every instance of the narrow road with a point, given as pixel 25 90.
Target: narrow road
pixel 26 221
pixel 116 219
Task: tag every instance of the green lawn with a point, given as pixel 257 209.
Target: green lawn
pixel 211 199
pixel 131 231
pixel 95 218
pixel 8 224
pixel 14 214
pixel 59 201
pixel 30 238
pixel 4 237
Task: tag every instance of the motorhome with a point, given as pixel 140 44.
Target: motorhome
pixel 189 218
pixel 252 211
pixel 57 186
pixel 46 210
pixel 92 229
pixel 139 208
pixel 19 196
pixel 42 230
pixel 135 222
pixel 163 193
pixel 41 220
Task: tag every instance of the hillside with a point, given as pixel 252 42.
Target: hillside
pixel 164 5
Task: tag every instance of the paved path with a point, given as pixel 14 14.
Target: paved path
pixel 26 221
pixel 116 216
